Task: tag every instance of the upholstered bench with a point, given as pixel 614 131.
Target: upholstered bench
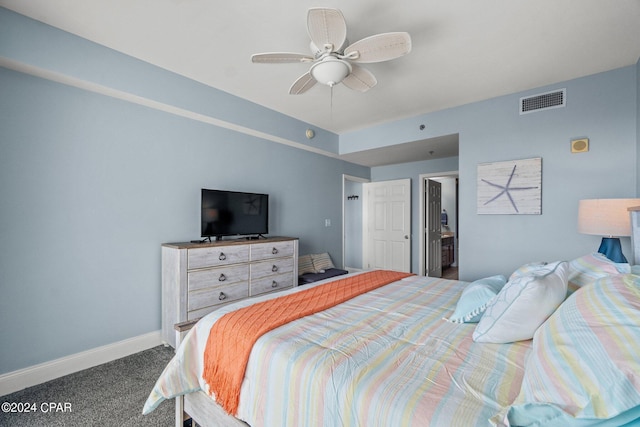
pixel 314 267
pixel 324 274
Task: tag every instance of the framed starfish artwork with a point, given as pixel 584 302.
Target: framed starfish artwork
pixel 510 188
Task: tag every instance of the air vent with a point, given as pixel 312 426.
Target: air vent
pixel 543 101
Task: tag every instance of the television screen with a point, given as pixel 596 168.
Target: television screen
pixel 227 213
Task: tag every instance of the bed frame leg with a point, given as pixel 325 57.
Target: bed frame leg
pixel 179 411
pixel 181 331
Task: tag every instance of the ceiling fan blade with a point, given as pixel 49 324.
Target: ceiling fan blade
pixel 280 57
pixel 303 84
pixel 378 48
pixel 360 79
pixel 327 28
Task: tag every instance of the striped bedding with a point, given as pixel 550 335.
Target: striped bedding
pixel 385 358
pixel 584 368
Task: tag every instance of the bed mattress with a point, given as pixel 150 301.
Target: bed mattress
pixel 384 358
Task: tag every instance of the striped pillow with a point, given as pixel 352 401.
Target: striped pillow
pixel 588 268
pixel 305 265
pixel 584 364
pixel 322 262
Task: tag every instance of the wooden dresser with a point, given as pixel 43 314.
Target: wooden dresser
pixel 197 278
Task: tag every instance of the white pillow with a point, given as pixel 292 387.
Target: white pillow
pixel 523 304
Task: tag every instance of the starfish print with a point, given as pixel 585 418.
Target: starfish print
pixel 506 189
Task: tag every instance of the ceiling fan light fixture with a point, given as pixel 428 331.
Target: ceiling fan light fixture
pixel 333 59
pixel 330 71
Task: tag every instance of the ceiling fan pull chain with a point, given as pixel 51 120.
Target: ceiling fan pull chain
pixel 331 105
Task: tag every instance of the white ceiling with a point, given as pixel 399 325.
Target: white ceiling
pixel 463 50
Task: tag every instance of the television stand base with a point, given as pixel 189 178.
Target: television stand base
pixel 205 240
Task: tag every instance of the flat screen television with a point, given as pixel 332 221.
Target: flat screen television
pixel 229 213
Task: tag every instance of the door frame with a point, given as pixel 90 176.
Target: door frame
pixel 422 215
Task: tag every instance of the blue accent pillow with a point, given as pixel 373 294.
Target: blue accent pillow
pixel 475 297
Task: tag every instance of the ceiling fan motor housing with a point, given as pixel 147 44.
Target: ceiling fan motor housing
pixel 319 52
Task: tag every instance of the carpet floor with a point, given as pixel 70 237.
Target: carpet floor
pixel 111 394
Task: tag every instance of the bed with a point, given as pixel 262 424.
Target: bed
pixel 554 344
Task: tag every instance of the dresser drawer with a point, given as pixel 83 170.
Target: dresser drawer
pixel 271 267
pixel 276 282
pixel 216 295
pixel 217 255
pixel 271 250
pixel 218 276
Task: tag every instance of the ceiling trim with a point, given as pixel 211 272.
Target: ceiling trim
pixel 156 105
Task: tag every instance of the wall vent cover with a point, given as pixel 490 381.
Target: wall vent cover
pixel 543 101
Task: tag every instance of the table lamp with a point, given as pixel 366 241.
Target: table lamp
pixel 608 218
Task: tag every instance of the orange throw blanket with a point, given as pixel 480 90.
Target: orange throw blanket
pixel 232 337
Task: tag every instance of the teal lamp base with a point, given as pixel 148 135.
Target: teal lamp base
pixel 610 247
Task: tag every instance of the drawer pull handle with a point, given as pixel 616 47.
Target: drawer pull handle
pixel 222 278
pixel 274 284
pixel 222 256
pixel 274 268
pixel 274 251
pixel 222 296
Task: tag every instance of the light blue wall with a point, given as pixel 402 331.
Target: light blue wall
pixel 92 185
pixel 39 45
pixel 601 107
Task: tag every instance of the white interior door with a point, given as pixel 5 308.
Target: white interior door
pixel 387 234
pixel 433 228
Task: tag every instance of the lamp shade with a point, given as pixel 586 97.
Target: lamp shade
pixel 605 217
pixel 330 71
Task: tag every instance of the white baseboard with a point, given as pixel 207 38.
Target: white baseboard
pixel 37 374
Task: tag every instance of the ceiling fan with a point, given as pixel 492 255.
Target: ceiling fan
pixel 332 62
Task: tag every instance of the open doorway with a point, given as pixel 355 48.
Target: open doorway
pixel 376 226
pixel 352 222
pixel 449 224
